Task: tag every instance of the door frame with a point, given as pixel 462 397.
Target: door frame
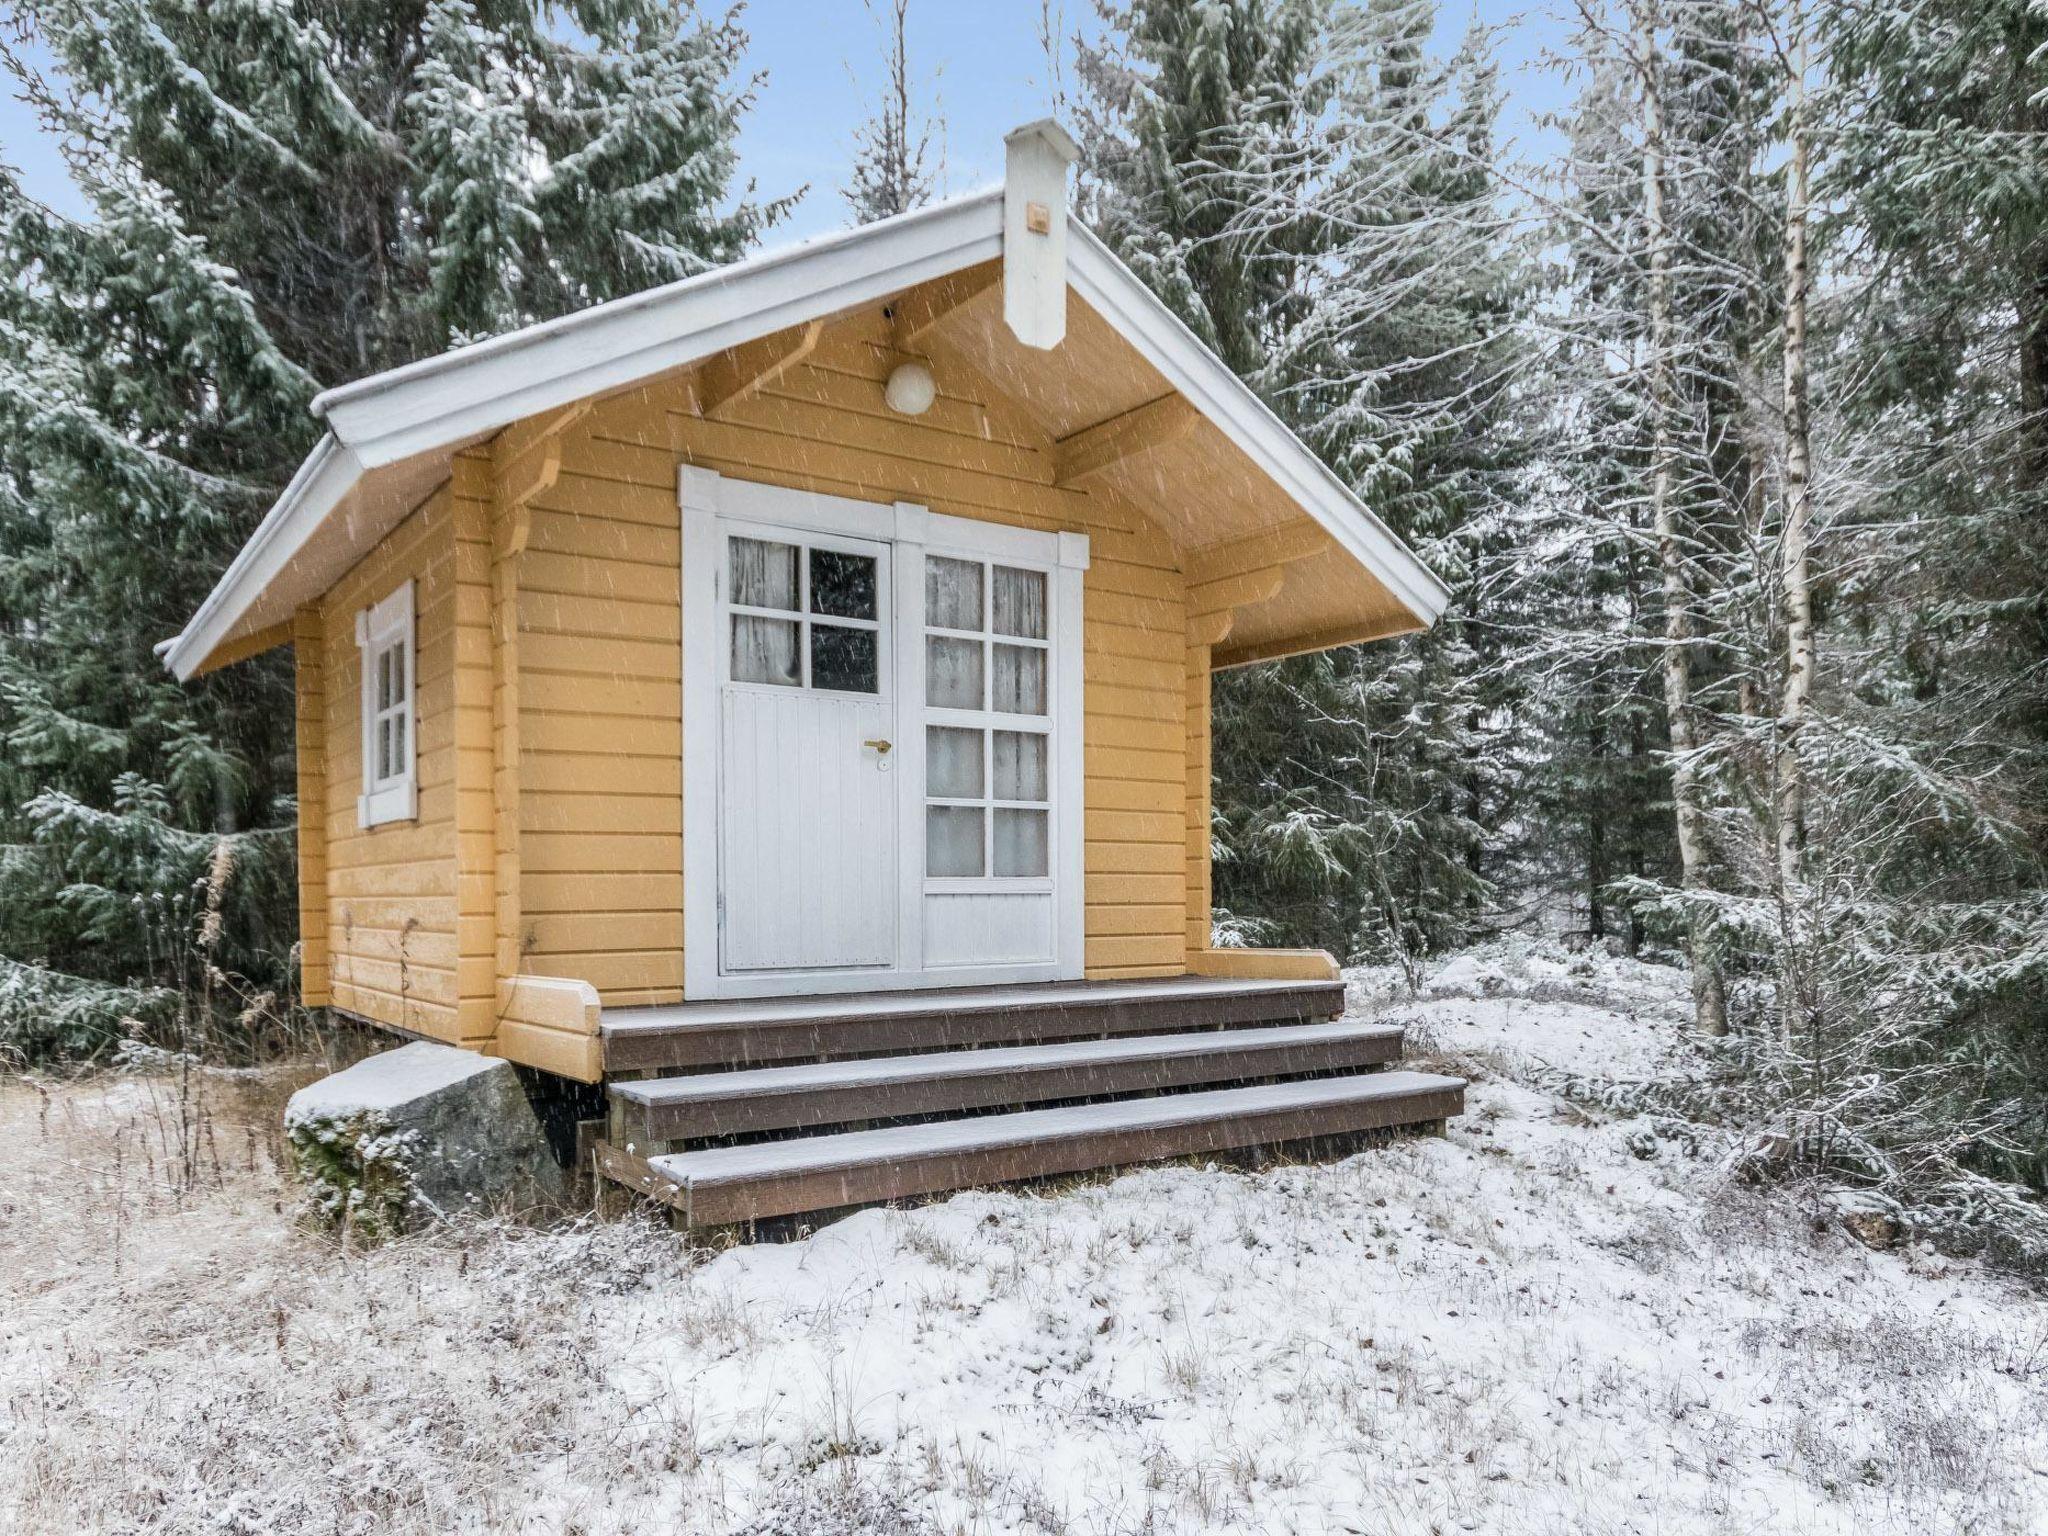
pixel 705 498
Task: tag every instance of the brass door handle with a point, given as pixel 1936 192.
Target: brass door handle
pixel 882 747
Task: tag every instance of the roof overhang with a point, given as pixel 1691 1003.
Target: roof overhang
pixel 390 438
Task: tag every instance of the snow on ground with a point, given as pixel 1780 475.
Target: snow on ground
pixel 1546 1321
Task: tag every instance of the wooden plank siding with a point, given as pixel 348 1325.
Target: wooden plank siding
pixel 600 722
pixel 309 692
pixel 549 842
pixel 1196 673
pixel 600 663
pixel 469 494
pixel 391 891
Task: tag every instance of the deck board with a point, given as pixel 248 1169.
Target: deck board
pixel 737 1032
pixel 807 1173
pixel 706 1104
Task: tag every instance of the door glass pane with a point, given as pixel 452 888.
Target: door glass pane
pixel 952 594
pixel 842 586
pixel 1020 843
pixel 843 659
pixel 1019 602
pixel 764 650
pixel 952 764
pixel 1020 766
pixel 763 574
pixel 952 673
pixel 1019 680
pixel 952 840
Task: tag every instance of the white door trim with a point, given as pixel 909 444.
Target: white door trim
pixel 704 498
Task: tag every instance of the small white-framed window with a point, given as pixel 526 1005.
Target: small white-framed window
pixel 384 636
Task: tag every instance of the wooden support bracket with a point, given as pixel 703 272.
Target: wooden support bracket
pixel 1272 546
pixel 914 315
pixel 1094 449
pixel 526 458
pixel 733 376
pixel 1229 592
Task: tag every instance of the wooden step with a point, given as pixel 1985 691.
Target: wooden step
pixel 881 1088
pixel 813 1173
pixel 730 1033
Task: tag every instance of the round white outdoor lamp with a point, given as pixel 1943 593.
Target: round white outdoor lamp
pixel 910 390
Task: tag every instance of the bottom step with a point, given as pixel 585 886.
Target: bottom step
pixel 812 1173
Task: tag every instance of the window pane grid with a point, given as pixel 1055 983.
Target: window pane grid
pixel 390 714
pixel 987 682
pixel 826 638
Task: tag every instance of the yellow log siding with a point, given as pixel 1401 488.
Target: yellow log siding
pixel 391 890
pixel 600 664
pixel 549 842
pixel 600 733
pixel 469 495
pixel 1199 889
pixel 309 655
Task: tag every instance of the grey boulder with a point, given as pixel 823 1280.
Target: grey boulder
pixel 424 1130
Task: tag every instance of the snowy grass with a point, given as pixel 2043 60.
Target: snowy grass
pixel 1551 1320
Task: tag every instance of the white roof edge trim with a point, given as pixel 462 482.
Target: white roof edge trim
pixel 329 473
pixel 481 388
pixel 440 402
pixel 1167 344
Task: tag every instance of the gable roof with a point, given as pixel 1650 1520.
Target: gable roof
pixel 390 437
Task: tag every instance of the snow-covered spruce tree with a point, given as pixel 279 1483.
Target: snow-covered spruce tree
pixel 1572 591
pixel 893 163
pixel 1914 950
pixel 1169 99
pixel 283 196
pixel 1315 191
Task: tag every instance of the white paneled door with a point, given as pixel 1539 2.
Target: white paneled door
pixel 882 722
pixel 807 739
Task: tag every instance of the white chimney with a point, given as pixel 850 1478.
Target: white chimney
pixel 1035 231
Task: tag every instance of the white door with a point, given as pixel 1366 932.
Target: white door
pixel 882 735
pixel 808 823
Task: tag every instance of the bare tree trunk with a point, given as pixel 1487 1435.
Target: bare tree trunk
pixel 1710 1010
pixel 1789 770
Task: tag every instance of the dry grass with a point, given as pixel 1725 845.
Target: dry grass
pixel 1525 1326
pixel 185 1357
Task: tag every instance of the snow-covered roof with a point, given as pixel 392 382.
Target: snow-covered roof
pixel 390 437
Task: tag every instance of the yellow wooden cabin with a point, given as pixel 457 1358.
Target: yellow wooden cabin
pixel 811 660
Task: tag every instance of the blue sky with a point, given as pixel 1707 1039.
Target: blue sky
pixel 823 59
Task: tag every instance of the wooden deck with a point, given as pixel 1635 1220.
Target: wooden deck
pixel 732 1111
